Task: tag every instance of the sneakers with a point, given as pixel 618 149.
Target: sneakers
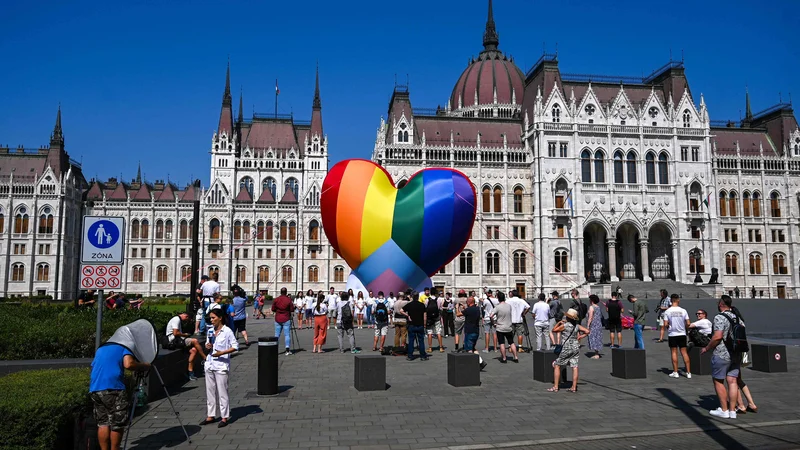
pixel 674 375
pixel 721 414
pixel 503 361
pixel 355 350
pixel 484 364
pixel 192 377
pixel 689 376
pixel 288 352
pixel 424 358
pixel 731 414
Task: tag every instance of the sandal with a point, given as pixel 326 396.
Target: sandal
pixel 206 421
pixel 741 410
pixel 752 409
pixel 553 389
pixel 573 389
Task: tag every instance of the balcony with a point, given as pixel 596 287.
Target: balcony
pixel 691 132
pixel 695 215
pixel 663 131
pixel 561 212
pixel 592 128
pixel 627 187
pixel 551 126
pixel 595 186
pixel 624 129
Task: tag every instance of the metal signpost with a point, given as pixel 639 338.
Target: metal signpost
pixel 102 255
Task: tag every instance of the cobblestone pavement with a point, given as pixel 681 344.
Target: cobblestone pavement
pixel 319 408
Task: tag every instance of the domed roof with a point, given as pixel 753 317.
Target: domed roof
pixel 492 73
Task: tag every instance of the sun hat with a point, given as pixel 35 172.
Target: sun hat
pixel 572 314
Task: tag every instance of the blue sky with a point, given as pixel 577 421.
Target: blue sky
pixel 143 80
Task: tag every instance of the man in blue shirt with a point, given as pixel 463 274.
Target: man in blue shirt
pixel 240 316
pixel 107 390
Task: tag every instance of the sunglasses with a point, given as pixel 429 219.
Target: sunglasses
pixel 698 314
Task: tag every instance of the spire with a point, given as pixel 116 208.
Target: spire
pixel 490 38
pixel 57 139
pixel 317 101
pixel 139 173
pixel 226 114
pixel 748 112
pixel 241 108
pixel 226 96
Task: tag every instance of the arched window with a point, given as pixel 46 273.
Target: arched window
pixel 246 232
pixel 732 201
pixel 18 272
pixel 186 273
pixel 137 274
pixel 183 230
pixel 215 229
pixel 159 229
pixel 145 233
pixel 465 262
pixel 260 231
pixel 599 168
pixel 161 274
pixel 756 204
pixel 338 274
pixel 263 274
pixel 284 231
pixel 723 204
pixel 650 168
pixel 519 262
pixel 269 185
pixel 492 262
pixel 631 167
pixel 556 113
pixel 168 229
pixel 775 204
pixel 779 264
pixel 486 197
pixel 731 264
pixel 42 272
pixel 405 136
pixel 241 274
pixel 619 176
pixel 246 183
pixel 292 231
pixel 561 191
pixel 586 167
pixel 561 261
pixel 213 272
pixel 696 262
pixel 2 223
pixel 313 274
pixel 687 118
pixel 270 231
pixel 291 184
pixel 746 204
pixel 518 199
pixel 755 264
pixel 46 222
pixel 663 170
pixel 399 135
pixel 286 274
pixel 237 230
pixel 21 223
pixel 313 230
pixel 498 199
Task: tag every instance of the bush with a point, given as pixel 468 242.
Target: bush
pixel 56 332
pixel 39 407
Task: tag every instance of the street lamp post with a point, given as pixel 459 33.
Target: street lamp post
pixel 697 254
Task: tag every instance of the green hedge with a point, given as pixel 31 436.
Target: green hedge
pixel 38 407
pixel 56 332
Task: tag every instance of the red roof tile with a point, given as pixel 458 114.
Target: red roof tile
pixel 243 196
pixel 266 197
pixel 465 131
pixel 278 134
pixel 190 194
pixel 289 197
pixel 166 195
pixel 95 192
pixel 750 141
pixel 143 194
pixel 120 193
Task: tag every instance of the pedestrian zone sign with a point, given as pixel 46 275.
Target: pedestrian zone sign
pixel 103 240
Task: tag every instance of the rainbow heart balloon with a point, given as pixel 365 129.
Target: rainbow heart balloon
pixel 394 239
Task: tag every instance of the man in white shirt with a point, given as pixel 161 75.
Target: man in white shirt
pixel 519 308
pixel 489 330
pixel 331 300
pixel 180 340
pixel 208 288
pixel 678 320
pixel 541 323
pixel 699 332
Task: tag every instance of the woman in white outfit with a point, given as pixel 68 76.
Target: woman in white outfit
pixel 218 366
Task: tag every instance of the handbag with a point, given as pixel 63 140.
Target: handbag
pixel 560 347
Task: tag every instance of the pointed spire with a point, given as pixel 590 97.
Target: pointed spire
pixel 490 38
pixel 139 173
pixel 748 115
pixel 226 114
pixel 226 96
pixel 316 110
pixel 241 107
pixel 57 139
pixel 317 101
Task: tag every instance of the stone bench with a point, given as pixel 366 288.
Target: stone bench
pixel 628 363
pixel 701 362
pixel 543 366
pixel 463 369
pixel 369 373
pixel 768 357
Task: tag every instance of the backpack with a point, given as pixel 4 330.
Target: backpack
pixel 347 316
pixel 583 310
pixel 736 341
pixel 559 312
pixel 432 309
pixel 381 312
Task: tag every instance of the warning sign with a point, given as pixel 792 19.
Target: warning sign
pixel 100 276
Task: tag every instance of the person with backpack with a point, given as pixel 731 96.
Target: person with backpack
pixel 728 342
pixel 449 315
pixel 283 307
pixel 489 329
pixel 639 313
pixel 614 321
pixel 578 305
pixel 344 311
pixel 556 315
pixel 381 318
pixel 434 324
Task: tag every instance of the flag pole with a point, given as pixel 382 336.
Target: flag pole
pixel 276 98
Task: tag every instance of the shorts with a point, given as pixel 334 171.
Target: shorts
pixel 332 313
pixel 518 329
pixel 309 313
pixel 239 325
pixel 436 328
pixel 505 337
pixel 111 409
pixel 721 368
pixel 381 329
pixel 677 341
pixel 489 328
pixel 614 325
pixel 459 325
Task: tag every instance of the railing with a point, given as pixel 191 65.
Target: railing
pixel 695 214
pixel 272 116
pixel 591 78
pixel 592 128
pixel 724 123
pixel 626 187
pixel 555 126
pixel 595 186
pixel 670 65
pixel 302 122
pixel 74 163
pixel 624 129
pixel 691 132
pixel 425 111
pixel 561 212
pixel 552 57
pixel 657 130
pixel 772 109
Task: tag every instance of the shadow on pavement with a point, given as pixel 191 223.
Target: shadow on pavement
pixel 169 437
pixel 702 420
pixel 243 411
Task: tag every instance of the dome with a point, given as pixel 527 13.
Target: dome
pixel 491 74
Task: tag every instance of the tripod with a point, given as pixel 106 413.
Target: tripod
pixel 527 333
pixel 140 382
pixel 293 336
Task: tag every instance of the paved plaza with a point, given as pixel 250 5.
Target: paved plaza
pixel 319 408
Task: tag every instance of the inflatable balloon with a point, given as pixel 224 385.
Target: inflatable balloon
pixel 395 239
pixel 357 286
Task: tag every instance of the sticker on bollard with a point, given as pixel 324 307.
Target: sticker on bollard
pixel 260 344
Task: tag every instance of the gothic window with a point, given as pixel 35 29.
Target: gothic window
pixel 775 204
pixel 137 274
pixel 631 167
pixel 241 274
pixel 653 111
pixel 465 262
pixel 492 262
pixel 586 167
pixel 159 229
pixel 213 272
pixel 18 272
pixel 561 191
pixel 260 230
pixel 284 230
pixel 599 168
pixel 237 230
pixel 161 274
pixel 619 176
pixel 313 274
pixel 186 273
pixel 21 223
pixel 723 204
pixel 286 274
pixel 731 263
pixel 145 233
pixel 168 229
pixel 650 166
pixel 247 183
pixel 2 223
pixel 42 272
pixel 269 185
pixel 663 170
pixel 214 229
pixel 498 199
pixel 313 231
pixel 246 229
pixel 293 185
pixel 746 204
pixel 518 199
pixel 263 274
pixel 134 229
pixel 732 210
pixel 292 231
pixel 779 264
pixel 687 118
pixel 519 262
pixel 269 232
pixel 755 264
pixel 46 222
pixel 338 274
pixel 486 197
pixel 561 261
pixel 556 113
pixel 756 204
pixel 589 110
pixel 696 262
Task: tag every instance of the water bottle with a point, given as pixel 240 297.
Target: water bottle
pixel 141 398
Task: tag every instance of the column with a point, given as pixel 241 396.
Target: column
pixel 612 259
pixel 643 245
pixel 676 264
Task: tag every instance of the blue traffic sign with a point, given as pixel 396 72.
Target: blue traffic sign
pixel 103 240
pixel 103 234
